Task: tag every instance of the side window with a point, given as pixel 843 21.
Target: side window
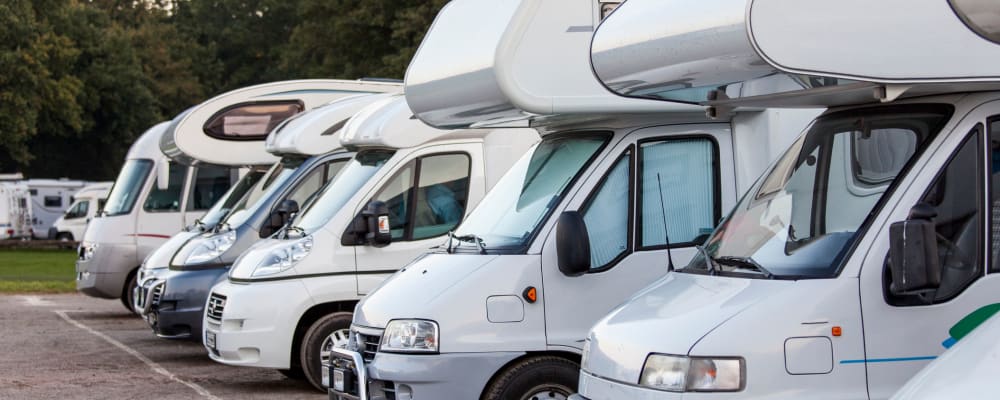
pixel 677 177
pixel 333 168
pixel 53 201
pixel 210 183
pixel 442 195
pixel 169 199
pixel 397 197
pixel 955 195
pixel 438 203
pixel 607 215
pixel 82 209
pixel 312 184
pixel 994 126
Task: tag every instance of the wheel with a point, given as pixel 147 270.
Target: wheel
pixel 128 292
pixel 329 331
pixel 64 237
pixel 536 378
pixel 294 373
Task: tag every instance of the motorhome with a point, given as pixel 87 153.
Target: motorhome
pixel 577 226
pixel 85 205
pixel 15 210
pixel 174 282
pixel 288 299
pixel 49 201
pixel 856 257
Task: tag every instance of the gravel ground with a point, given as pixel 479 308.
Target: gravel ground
pixel 74 346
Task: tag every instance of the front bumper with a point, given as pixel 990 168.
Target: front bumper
pixel 597 388
pixel 413 376
pixel 173 303
pixel 103 275
pixel 255 322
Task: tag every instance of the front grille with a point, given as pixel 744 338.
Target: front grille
pixel 367 345
pixel 216 303
pixel 389 390
pixel 156 293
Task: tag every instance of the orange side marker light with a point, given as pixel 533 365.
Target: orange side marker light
pixel 837 331
pixel 530 294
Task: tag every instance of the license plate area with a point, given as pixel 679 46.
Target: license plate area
pixel 347 378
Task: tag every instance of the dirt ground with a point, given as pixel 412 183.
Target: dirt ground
pixel 74 346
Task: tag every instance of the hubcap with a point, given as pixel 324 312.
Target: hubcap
pixel 548 392
pixel 338 339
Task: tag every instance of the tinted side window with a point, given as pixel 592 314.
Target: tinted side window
pixel 53 201
pixel 607 215
pixel 679 177
pixel 396 195
pixel 442 194
pixel 169 199
pixel 210 183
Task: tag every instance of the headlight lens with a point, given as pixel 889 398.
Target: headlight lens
pixel 284 257
pixel 410 336
pixel 87 250
pixel 692 374
pixel 208 248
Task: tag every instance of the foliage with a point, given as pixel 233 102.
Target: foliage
pixel 81 79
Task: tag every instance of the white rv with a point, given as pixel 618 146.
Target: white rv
pixel 574 228
pixel 288 299
pixel 856 257
pixel 49 200
pixel 15 210
pixel 86 203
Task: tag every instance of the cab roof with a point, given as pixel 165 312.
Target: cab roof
pixel 317 131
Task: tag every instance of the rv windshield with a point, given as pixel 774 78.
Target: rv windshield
pixel 126 188
pixel 273 181
pixel 340 189
pixel 511 212
pixel 221 208
pixel 802 217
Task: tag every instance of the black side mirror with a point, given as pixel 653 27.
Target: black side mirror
pixel 280 217
pixel 572 244
pixel 913 253
pixel 370 227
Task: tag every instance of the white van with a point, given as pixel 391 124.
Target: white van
pixel 15 210
pixel 85 205
pixel 49 198
pixel 288 299
pixel 854 259
pixel 151 200
pixel 574 228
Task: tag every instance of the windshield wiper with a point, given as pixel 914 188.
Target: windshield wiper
pixel 470 238
pixel 744 263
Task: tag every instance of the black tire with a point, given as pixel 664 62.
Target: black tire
pixel 65 237
pixel 127 295
pixel 310 357
pixel 541 378
pixel 294 373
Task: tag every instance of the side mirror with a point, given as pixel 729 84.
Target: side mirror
pixel 913 253
pixel 370 227
pixel 163 175
pixel 280 217
pixel 572 244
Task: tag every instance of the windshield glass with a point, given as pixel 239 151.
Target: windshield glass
pixel 126 188
pixel 801 218
pixel 222 207
pixel 511 211
pixel 341 188
pixel 273 181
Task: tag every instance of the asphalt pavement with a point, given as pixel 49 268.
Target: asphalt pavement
pixel 74 346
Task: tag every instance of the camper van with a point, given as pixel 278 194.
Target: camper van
pixel 288 299
pixel 579 224
pixel 86 203
pixel 862 252
pixel 15 210
pixel 49 199
pixel 152 199
pixel 174 282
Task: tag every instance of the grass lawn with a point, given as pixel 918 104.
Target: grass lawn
pixel 37 271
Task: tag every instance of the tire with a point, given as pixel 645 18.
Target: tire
pixel 64 237
pixel 294 373
pixel 311 351
pixel 127 295
pixel 535 378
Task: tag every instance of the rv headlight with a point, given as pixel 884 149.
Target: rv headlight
pixel 87 250
pixel 410 336
pixel 283 257
pixel 692 374
pixel 208 248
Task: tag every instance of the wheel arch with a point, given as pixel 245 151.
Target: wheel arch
pixel 309 317
pixel 570 356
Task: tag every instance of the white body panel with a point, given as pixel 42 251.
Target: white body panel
pixel 15 210
pixel 301 135
pixel 74 222
pixel 50 198
pixel 486 62
pixel 251 333
pixel 187 139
